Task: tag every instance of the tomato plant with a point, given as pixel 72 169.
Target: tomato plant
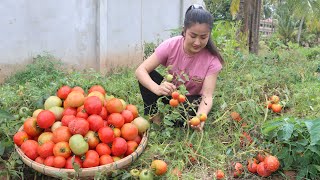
pixel 297 144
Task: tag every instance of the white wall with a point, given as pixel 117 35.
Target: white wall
pixel 86 33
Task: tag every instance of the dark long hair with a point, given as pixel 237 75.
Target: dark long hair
pixel 197 14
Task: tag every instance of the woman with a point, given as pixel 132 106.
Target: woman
pixel 193 54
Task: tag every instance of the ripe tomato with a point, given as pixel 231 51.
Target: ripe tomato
pixel 103 149
pixel 127 115
pixel 106 134
pixel 133 109
pixel 219 174
pixel 59 162
pixel 235 116
pixel 29 148
pixel 39 160
pixel 159 166
pixel 114 105
pixel 117 132
pixel 74 99
pixel 62 149
pixel 119 146
pixel 138 139
pixel 82 114
pixel 63 91
pixel 132 146
pixel 79 126
pixel 49 161
pixel 276 108
pixel 73 160
pixel 104 113
pixel 66 119
pixel 62 133
pixel 31 128
pixel 261 157
pixel 20 137
pixel 116 119
pixel 252 165
pixel 93 105
pixel 268 104
pixel 271 163
pixel 262 171
pixel 195 121
pixel 95 122
pixel 238 167
pixel 45 137
pixel 97 88
pixel 92 139
pixel 129 131
pixel 45 119
pixel 175 95
pixel 91 159
pixel 274 99
pixel 105 159
pixel 174 102
pixel 203 117
pixel 181 98
pixel 78 88
pixel 46 149
pixel 69 111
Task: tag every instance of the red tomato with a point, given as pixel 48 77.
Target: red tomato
pixel 31 128
pixel 63 92
pixel 20 137
pixel 29 148
pixel 79 126
pixel 59 162
pixel 105 159
pixel 127 115
pixel 106 134
pixel 62 149
pixel 93 105
pixel 97 88
pixel 71 160
pixel 116 119
pixel 49 161
pixel 103 149
pixel 92 139
pixel 45 119
pixel 95 122
pixel 91 159
pixel 46 149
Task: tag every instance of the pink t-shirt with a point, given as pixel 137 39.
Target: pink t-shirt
pixel 195 67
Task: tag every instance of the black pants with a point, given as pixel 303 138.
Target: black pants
pixel 150 99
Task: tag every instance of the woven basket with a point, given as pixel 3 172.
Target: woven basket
pixel 84 172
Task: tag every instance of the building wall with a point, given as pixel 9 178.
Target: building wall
pixel 99 34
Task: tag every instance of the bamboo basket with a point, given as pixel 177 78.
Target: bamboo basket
pixel 84 172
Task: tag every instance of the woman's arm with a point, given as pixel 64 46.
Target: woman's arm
pixel 205 106
pixel 142 74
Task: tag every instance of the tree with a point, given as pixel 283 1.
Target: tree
pixel 248 11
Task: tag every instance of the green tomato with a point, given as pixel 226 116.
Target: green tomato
pixel 24 112
pixel 135 172
pixel 78 145
pixel 146 174
pixel 169 77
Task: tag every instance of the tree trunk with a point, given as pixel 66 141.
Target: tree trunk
pixel 250 16
pixel 254 26
pixel 300 29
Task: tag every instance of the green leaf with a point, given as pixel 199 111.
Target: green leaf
pixel 317 167
pixel 313 127
pixel 285 132
pixel 5 115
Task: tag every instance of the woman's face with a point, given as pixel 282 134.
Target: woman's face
pixel 196 38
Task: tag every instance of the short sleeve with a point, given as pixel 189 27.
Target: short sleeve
pixel 214 67
pixel 162 52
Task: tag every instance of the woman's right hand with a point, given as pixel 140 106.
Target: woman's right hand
pixel 165 88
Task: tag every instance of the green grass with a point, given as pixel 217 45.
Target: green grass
pixel 243 86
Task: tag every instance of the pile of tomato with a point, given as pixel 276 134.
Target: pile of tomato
pixel 84 128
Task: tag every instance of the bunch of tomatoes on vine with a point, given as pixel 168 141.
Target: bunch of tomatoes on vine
pixel 86 129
